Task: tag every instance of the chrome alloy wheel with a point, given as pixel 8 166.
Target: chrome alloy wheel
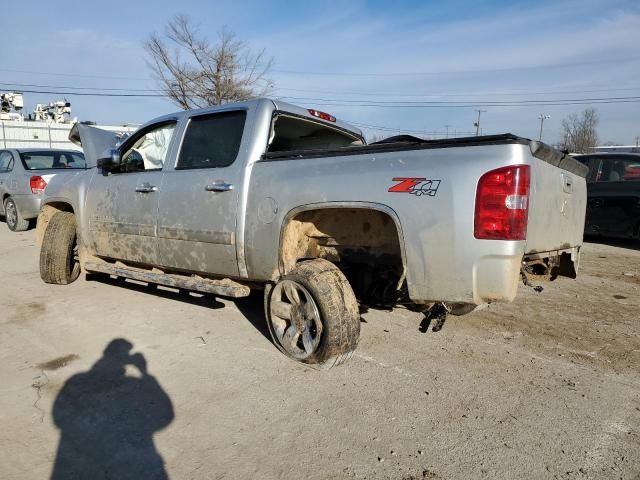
pixel 295 319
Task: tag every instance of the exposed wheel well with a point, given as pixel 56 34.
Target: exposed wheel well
pixel 46 212
pixel 364 243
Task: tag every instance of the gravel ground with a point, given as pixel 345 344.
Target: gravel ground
pixel 546 387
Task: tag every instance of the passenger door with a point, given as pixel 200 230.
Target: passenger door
pixel 123 205
pixel 6 166
pixel 199 197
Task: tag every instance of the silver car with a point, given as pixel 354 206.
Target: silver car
pixel 24 174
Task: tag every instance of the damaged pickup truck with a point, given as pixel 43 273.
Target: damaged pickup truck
pixel 266 195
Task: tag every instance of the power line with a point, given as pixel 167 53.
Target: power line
pixel 18 84
pixel 456 102
pixel 93 94
pixel 461 94
pixel 457 72
pixel 384 104
pixel 81 75
pixel 393 94
pixel 367 74
pixel 466 104
pixel 351 92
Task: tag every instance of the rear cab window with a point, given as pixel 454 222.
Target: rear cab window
pixel 290 132
pixel 49 160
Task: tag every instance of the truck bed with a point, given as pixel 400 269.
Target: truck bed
pixel 444 258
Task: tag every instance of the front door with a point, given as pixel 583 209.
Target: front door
pixel 199 197
pixel 123 205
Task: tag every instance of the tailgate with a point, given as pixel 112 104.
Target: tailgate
pixel 558 201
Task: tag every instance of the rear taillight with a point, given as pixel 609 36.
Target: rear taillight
pixel 502 204
pixel 37 184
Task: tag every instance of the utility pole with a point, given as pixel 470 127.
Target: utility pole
pixel 637 141
pixel 447 127
pixel 477 123
pixel 542 118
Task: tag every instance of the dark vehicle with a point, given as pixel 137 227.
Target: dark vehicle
pixel 613 194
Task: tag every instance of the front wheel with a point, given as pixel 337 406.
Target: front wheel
pixel 59 261
pixel 313 314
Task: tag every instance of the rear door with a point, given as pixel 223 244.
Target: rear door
pixel 199 197
pixel 6 166
pixel 123 205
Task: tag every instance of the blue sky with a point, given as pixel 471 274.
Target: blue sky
pixel 353 53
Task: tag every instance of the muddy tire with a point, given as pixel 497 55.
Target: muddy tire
pixel 313 315
pixel 14 220
pixel 59 253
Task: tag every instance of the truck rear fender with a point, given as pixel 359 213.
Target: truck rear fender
pixel 364 240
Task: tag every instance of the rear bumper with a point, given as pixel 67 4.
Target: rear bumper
pixel 28 205
pixel 495 278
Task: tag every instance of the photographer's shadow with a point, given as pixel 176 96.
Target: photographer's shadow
pixel 107 420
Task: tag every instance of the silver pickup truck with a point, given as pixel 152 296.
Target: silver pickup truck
pixel 266 195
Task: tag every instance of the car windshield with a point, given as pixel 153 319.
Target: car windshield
pixel 50 160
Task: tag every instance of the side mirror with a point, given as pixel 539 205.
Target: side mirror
pixel 110 160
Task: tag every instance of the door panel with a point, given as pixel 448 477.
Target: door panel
pixel 123 205
pixel 198 200
pixel 122 220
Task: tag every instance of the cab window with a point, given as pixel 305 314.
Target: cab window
pixel 149 150
pixel 212 141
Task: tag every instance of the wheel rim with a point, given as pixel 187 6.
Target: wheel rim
pixel 295 319
pixel 11 214
pixel 74 259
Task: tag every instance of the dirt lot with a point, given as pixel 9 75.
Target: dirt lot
pixel 547 387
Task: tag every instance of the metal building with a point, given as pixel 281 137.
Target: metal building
pixel 29 134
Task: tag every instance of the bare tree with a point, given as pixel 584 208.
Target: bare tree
pixel 579 132
pixel 194 72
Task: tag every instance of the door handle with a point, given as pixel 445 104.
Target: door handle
pixel 146 188
pixel 219 187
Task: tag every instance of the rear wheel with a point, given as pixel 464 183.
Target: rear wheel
pixel 14 220
pixel 313 314
pixel 59 260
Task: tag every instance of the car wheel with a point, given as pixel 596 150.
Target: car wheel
pixel 14 220
pixel 59 259
pixel 312 314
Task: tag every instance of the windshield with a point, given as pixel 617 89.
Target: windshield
pixel 50 160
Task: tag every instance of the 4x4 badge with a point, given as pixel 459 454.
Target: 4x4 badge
pixel 416 186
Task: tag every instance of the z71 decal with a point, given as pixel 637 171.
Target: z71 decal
pixel 416 186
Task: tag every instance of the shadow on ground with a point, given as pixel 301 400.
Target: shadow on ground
pixel 107 420
pixel 251 307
